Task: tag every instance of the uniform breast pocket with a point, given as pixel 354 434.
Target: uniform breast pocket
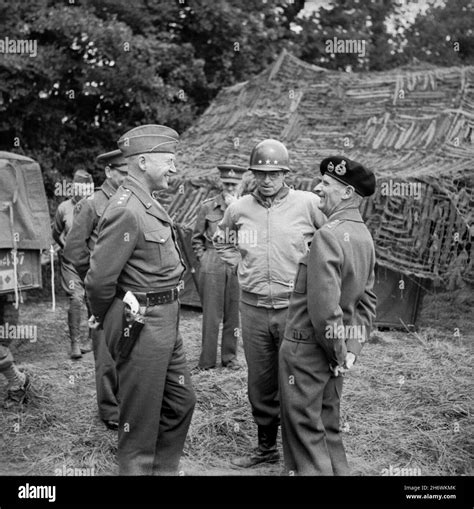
pixel 160 240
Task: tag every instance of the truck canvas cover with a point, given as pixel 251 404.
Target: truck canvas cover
pixel 23 205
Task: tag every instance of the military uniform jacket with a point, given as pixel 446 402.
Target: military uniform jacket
pixel 333 288
pixel 136 248
pixel 265 240
pixel 83 234
pixel 63 220
pixel 209 215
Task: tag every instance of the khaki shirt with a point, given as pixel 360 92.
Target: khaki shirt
pixel 136 249
pixel 209 215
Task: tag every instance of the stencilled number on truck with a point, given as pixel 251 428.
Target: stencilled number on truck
pixel 7 260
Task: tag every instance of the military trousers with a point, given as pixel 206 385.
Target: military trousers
pixel 310 411
pixel 105 378
pixel 71 282
pixel 262 333
pixel 155 393
pixel 219 291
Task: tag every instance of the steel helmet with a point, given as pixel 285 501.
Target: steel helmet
pixel 269 155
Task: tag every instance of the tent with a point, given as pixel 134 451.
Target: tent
pixel 413 126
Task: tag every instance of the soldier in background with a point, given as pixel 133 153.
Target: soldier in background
pixel 331 311
pixel 218 283
pixel 263 235
pixel 79 245
pixel 136 256
pixel 70 280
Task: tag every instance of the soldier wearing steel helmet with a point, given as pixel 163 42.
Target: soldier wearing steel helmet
pixel 218 284
pixel 79 245
pixel 263 235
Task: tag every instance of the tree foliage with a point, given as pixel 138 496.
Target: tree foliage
pixel 105 66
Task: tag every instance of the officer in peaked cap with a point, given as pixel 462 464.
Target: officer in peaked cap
pixel 72 284
pixel 332 309
pixel 79 245
pixel 137 252
pixel 263 235
pixel 218 284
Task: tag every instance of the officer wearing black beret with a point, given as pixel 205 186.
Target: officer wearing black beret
pixel 331 312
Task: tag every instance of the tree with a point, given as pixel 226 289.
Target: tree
pixel 444 35
pixel 91 80
pixel 105 66
pixel 366 23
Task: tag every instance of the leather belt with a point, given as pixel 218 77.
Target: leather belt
pixel 152 298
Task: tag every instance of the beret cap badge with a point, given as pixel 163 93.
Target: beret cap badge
pixel 351 173
pixel 341 168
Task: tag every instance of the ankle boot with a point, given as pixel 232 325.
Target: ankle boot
pixel 86 346
pixel 74 322
pixel 266 452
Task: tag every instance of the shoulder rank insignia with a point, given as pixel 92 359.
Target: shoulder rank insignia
pixel 333 224
pixel 123 197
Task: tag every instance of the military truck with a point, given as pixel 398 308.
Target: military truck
pixel 24 224
pixel 25 231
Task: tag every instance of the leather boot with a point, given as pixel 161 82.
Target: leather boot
pixel 266 452
pixel 17 395
pixel 74 322
pixel 86 346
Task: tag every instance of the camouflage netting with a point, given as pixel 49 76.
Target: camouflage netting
pixel 409 126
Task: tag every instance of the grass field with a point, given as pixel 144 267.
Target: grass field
pixel 406 404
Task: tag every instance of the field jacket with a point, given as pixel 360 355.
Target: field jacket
pixel 265 240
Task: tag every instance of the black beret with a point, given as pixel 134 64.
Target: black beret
pixel 350 173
